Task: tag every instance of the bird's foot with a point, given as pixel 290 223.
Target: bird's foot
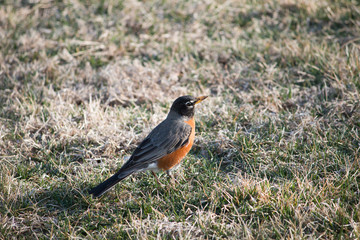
pixel 172 179
pixel 157 179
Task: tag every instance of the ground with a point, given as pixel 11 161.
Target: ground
pixel 276 153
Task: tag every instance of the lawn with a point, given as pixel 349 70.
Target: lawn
pixel 277 148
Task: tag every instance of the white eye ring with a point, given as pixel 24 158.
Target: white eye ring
pixel 189 103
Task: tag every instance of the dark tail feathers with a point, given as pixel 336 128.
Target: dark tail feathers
pixel 107 184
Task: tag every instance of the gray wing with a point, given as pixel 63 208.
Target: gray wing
pixel 160 142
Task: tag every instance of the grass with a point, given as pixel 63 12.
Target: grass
pixel 277 146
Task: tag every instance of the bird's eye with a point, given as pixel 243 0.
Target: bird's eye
pixel 189 103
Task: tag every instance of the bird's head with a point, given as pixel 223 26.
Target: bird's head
pixel 185 105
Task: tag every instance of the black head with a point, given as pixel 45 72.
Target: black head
pixel 185 105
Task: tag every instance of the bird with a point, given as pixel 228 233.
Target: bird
pixel 165 146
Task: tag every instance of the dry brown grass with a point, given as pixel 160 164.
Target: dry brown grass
pixel 277 147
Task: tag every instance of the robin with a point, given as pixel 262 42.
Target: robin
pixel 163 148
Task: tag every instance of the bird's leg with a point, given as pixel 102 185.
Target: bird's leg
pixel 171 177
pixel 157 180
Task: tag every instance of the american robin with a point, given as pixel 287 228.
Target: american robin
pixel 163 148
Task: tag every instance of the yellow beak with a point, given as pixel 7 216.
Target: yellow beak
pixel 200 99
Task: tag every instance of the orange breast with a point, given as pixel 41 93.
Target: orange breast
pixel 174 158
